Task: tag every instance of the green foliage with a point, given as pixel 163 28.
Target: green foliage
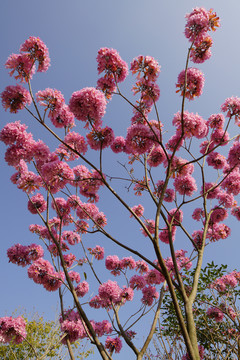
pixel 214 336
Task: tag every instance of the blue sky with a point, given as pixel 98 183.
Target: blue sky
pixel 73 31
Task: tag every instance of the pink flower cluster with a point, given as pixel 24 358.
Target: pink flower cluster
pixel 113 344
pixel 15 98
pixel 147 70
pixel 199 22
pixel 24 255
pixel 32 50
pixel 59 113
pixel 42 272
pixel 12 330
pixel 88 105
pixel 232 107
pixel 116 70
pixel 194 83
pixel 74 328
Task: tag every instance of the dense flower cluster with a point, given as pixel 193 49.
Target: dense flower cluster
pixel 116 70
pixel 191 83
pixel 12 330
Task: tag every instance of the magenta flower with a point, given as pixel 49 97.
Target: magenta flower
pixel 15 98
pixel 113 344
pixel 100 138
pixel 110 291
pixel 22 64
pixel 12 329
pixel 88 105
pixel 37 204
pixel 194 84
pixel 37 51
pixel 185 185
pixel 82 289
pixel 110 61
pixel 156 157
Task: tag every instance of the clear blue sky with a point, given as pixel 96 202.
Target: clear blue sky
pixel 74 30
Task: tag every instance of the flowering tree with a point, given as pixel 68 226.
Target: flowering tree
pixel 56 190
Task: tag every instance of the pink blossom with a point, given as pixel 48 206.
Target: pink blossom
pixel 71 236
pixel 175 216
pixel 103 327
pixel 156 156
pixel 118 144
pixel 42 272
pixel 194 84
pixel 56 175
pixel 37 204
pixel 87 211
pixel 218 231
pixel 216 121
pixel 165 236
pixel 15 98
pixel 193 125
pixel 62 117
pixel 107 85
pixel 175 142
pixel 127 294
pixel 12 330
pixel 181 167
pixel 197 237
pixel 13 133
pixel 113 344
pixel 149 294
pixel 211 189
pixel 201 51
pixel 154 277
pixel 110 291
pixel 234 155
pixel 69 259
pixel 141 266
pixel 52 99
pixel 146 65
pixel 219 137
pixel 82 289
pixel 215 313
pixel 185 185
pixel 137 282
pixel 149 90
pixel 216 160
pixel 226 200
pixel 74 276
pixel 236 212
pixel 127 262
pixel 110 61
pixel 232 107
pixel 24 255
pixel 169 194
pixel 138 210
pixel 37 51
pixel 232 183
pixel 22 64
pixel 113 264
pixel 150 225
pixel 97 252
pixel 198 214
pixel 139 139
pixel 100 138
pixel 88 105
pixel 61 207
